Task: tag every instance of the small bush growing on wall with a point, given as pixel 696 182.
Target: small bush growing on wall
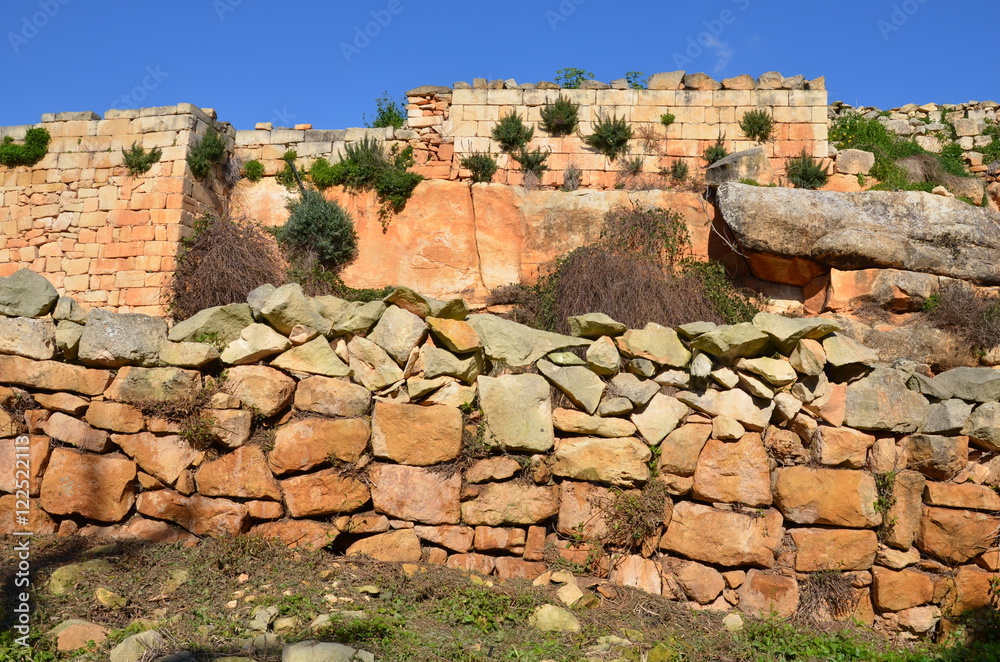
pixel 806 172
pixel 757 125
pixel 561 117
pixel 482 165
pixel 33 150
pixel 321 173
pixel 716 152
pixel 666 119
pixel 253 170
pixel 678 170
pixel 511 133
pixel 323 226
pixel 138 160
pixel 610 137
pixel 571 77
pixel 531 161
pixel 205 152
pixel 287 175
pixel 365 166
pixel 388 113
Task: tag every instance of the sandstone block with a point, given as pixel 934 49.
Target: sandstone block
pixel 833 549
pixel 727 538
pixel 498 504
pixel 401 546
pixel 242 474
pixel 620 461
pixel 332 397
pixel 112 340
pixel 323 493
pixel 75 432
pixel 826 496
pixel 97 487
pixel 416 494
pixel 415 435
pixel 164 457
pixel 762 594
pixel 310 442
pixel 734 472
pixel 267 390
pixel 134 385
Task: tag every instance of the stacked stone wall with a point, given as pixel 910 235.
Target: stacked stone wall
pixel 412 430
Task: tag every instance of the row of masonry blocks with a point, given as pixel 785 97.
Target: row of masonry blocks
pixel 99 234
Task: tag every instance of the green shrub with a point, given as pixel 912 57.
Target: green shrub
pixel 482 165
pixel 715 153
pixel 666 119
pixel 205 152
pixel 630 166
pixel 321 173
pixel 571 77
pixel 33 150
pixel 853 131
pixel 730 303
pixel 388 113
pixel 635 80
pixel 287 176
pixel 991 152
pixel 561 117
pixel 533 161
pixel 323 226
pixel 365 166
pixel 757 125
pixel 253 170
pixel 610 137
pixel 511 133
pixel 678 170
pixel 138 160
pixel 806 172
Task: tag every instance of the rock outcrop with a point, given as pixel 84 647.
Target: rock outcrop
pixel 798 233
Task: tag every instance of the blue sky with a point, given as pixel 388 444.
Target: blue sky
pixel 298 62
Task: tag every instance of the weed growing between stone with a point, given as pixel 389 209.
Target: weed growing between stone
pixel 138 160
pixel 561 117
pixel 33 150
pixel 610 137
pixel 206 152
pixel 482 165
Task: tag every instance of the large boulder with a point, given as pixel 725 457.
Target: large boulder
pixel 26 294
pixel 112 340
pixel 903 230
pixel 518 411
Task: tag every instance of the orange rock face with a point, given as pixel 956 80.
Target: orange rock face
pixel 415 435
pixel 298 533
pixel 309 442
pixel 762 593
pixel 242 474
pixel 896 591
pixel 323 493
pixel 456 240
pixel 833 549
pixel 401 546
pixel 416 494
pixel 97 487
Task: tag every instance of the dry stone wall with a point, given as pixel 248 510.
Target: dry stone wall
pixel 411 430
pixel 100 235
